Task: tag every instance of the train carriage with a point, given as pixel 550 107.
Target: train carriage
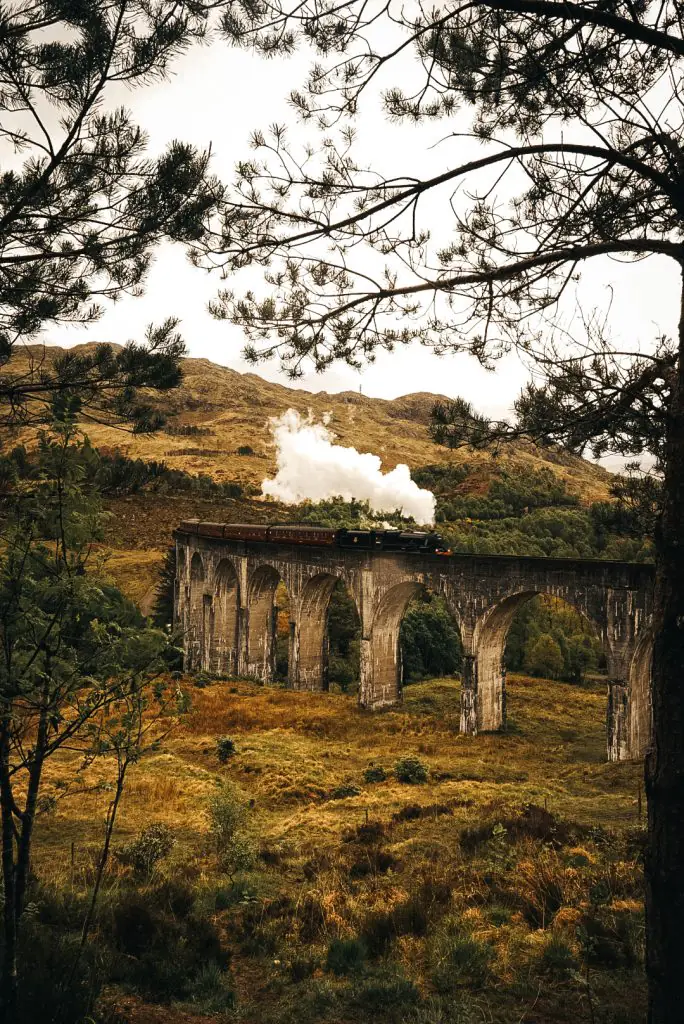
pixel 400 541
pixel 319 536
pixel 254 532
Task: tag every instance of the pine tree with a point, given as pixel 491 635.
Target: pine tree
pixel 574 152
pixel 81 212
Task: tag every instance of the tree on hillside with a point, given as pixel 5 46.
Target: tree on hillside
pixel 81 204
pixel 574 152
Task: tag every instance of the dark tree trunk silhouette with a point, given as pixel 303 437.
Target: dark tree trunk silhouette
pixel 665 761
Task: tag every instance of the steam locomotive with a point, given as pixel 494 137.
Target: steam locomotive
pixel 320 536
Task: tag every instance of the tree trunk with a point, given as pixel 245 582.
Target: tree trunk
pixel 104 856
pixel 8 977
pixel 665 760
pixel 26 834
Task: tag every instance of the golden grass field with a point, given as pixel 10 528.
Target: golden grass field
pixel 320 878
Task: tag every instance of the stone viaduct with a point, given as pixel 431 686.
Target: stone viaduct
pixel 225 607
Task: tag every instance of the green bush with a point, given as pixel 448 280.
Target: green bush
pixel 384 994
pixel 374 773
pixel 430 642
pixel 543 657
pixel 302 968
pixel 344 790
pixel 345 956
pixel 344 631
pixel 149 847
pixel 499 914
pixel 411 770
pixel 342 672
pixel 580 648
pixel 381 928
pixel 229 825
pixel 52 979
pixel 161 953
pixel 225 748
pixel 610 939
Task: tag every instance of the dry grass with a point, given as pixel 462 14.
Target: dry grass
pixel 326 874
pixel 136 573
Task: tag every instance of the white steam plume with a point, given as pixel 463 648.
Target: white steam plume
pixel 311 466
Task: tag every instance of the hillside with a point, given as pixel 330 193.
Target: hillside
pixel 232 411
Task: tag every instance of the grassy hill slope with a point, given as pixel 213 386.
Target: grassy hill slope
pixel 233 410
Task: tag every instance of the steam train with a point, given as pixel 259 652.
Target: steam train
pixel 319 536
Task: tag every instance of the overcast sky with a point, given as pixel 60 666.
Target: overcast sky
pixel 217 96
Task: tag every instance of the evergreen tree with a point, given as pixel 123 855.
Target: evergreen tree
pixel 81 213
pixel 164 595
pixel 574 152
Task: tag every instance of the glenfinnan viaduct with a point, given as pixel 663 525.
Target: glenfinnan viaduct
pixel 225 606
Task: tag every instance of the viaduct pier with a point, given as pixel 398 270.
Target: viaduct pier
pixel 225 606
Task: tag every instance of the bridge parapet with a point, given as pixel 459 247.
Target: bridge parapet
pixel 225 604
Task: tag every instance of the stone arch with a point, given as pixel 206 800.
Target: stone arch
pixel 343 628
pixel 639 701
pixel 262 622
pixel 381 654
pixel 224 619
pixel 308 656
pixel 197 615
pixel 489 672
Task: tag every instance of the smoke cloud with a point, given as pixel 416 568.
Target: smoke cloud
pixel 311 466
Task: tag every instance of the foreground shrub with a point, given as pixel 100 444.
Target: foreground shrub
pixel 302 968
pixel 345 956
pixel 344 790
pixel 228 821
pixel 374 773
pixel 162 954
pixel 368 833
pixel 610 939
pixel 265 925
pixel 533 822
pixel 53 981
pixel 373 861
pixel 148 848
pixel 538 884
pixel 391 995
pixel 411 770
pixel 383 927
pixel 225 748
